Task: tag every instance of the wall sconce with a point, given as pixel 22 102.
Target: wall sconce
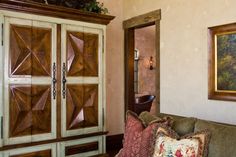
pixel 151 63
pixel 136 54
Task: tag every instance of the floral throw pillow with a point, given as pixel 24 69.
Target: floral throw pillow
pixel 170 147
pixel 168 144
pixel 138 139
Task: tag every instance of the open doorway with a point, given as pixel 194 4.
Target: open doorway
pixel 144 68
pixel 142 59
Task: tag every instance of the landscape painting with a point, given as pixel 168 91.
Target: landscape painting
pixel 226 61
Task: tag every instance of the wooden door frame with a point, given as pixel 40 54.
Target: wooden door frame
pixel 129 26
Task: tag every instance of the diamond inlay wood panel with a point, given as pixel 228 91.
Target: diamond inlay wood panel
pixel 82 106
pixel 30 51
pixel 30 110
pixel 82 54
pixel 43 153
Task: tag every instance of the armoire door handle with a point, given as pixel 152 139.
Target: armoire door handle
pixel 64 81
pixel 54 81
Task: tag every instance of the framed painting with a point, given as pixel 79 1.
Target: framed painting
pixel 222 62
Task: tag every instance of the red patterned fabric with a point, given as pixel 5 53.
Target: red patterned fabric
pixel 138 140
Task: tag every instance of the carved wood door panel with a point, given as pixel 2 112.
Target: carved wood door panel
pixel 82 81
pixel 30 57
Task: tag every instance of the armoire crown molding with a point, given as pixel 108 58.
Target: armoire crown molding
pixel 54 11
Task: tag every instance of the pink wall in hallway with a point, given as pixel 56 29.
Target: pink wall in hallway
pixel 145 43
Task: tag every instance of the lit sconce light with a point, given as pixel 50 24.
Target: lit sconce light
pixel 151 63
pixel 136 54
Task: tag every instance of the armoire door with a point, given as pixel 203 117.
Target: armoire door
pixel 29 80
pixel 82 80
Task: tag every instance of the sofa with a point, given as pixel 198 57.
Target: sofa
pixel 223 136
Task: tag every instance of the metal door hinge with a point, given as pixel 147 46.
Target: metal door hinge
pixel 103 117
pixel 103 44
pixel 2 34
pixel 1 127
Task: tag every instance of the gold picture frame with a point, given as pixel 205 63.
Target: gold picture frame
pixel 222 62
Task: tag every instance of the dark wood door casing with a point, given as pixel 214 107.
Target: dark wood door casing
pixel 129 69
pixel 148 19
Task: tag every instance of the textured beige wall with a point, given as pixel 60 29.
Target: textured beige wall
pixel 115 68
pixel 145 40
pixel 184 54
pixel 183 57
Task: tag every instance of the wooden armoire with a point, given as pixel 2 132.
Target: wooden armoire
pixel 52 81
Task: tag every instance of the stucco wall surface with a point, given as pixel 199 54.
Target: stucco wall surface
pixel 115 68
pixel 184 54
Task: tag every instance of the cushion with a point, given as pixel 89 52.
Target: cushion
pixel 147 118
pixel 181 125
pixel 184 126
pixel 168 144
pixel 138 139
pixel 223 138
